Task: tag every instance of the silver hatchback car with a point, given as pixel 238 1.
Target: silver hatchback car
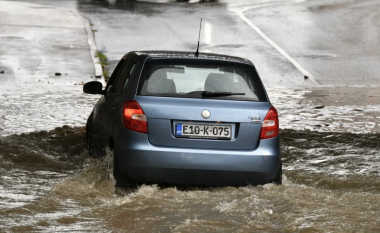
pixel 178 118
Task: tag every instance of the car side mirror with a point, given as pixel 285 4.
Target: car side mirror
pixel 93 87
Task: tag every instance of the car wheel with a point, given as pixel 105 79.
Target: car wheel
pixel 278 178
pixel 121 179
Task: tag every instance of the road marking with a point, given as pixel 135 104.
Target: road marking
pixel 271 42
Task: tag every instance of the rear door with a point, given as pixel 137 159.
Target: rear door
pixel 113 95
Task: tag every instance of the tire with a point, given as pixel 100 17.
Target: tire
pixel 278 178
pixel 121 179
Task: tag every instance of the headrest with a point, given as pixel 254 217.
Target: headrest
pixel 219 82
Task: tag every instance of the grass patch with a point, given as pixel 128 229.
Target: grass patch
pixel 104 63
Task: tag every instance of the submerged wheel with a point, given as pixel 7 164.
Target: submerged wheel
pixel 121 179
pixel 93 148
pixel 278 178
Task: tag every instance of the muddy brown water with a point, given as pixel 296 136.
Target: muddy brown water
pixel 48 184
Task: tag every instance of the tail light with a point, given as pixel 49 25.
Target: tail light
pixel 269 127
pixel 134 117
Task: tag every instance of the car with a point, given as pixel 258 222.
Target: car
pixel 181 118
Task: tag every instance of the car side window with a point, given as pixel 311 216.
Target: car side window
pixel 115 74
pixel 125 75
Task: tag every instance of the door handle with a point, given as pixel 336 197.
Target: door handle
pixel 113 108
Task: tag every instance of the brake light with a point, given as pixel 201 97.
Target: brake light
pixel 134 117
pixel 269 127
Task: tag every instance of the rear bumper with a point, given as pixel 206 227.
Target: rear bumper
pixel 141 161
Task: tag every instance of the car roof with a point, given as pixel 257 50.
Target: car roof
pixel 191 55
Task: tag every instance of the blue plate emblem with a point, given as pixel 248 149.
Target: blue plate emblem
pixel 179 129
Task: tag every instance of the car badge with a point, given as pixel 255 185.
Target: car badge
pixel 206 114
pixel 255 119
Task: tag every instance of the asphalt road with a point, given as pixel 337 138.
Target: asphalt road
pixel 330 42
pixel 41 45
pixel 295 45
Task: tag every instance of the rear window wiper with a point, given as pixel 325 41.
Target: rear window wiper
pixel 212 93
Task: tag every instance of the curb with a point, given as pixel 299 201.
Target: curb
pixel 93 49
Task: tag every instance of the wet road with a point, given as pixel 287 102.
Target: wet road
pixel 334 42
pixel 329 134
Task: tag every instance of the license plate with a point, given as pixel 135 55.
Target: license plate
pixel 203 131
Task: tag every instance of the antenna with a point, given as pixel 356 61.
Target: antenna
pixel 200 27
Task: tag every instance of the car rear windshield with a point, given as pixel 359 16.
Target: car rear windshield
pixel 196 78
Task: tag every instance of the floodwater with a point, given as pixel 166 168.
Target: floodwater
pixel 331 180
pixel 329 136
